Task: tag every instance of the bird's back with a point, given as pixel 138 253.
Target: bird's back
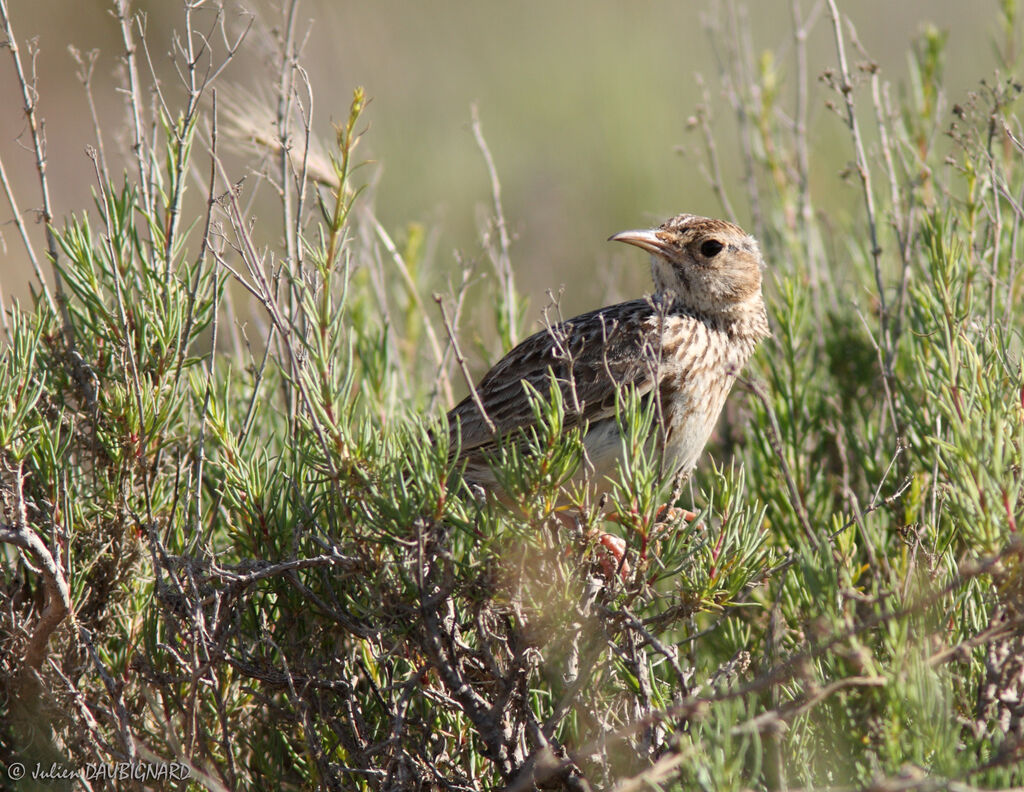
pixel 588 356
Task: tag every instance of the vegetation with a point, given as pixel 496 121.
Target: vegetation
pixel 232 538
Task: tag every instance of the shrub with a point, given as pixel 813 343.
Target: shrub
pixel 233 538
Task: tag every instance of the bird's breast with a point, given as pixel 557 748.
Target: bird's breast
pixel 700 364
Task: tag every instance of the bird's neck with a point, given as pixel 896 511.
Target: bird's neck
pixel 747 319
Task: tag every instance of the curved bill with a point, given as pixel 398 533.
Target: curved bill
pixel 646 239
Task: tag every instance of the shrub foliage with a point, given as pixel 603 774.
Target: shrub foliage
pixel 232 536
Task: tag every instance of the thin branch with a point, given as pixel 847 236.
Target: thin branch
pixel 245 574
pixel 139 147
pixel 461 360
pixel 864 173
pixel 55 586
pixel 87 65
pixel 286 70
pixel 775 439
pixel 773 719
pixel 805 217
pixel 29 98
pixel 504 261
pixel 23 233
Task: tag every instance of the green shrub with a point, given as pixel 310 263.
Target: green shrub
pixel 233 538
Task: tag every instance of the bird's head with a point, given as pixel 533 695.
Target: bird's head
pixel 712 266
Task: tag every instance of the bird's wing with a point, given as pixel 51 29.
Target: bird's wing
pixel 628 338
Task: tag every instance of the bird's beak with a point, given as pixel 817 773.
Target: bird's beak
pixel 646 239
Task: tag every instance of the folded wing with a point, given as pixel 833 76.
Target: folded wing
pixel 629 334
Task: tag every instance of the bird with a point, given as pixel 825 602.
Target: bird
pixel 682 346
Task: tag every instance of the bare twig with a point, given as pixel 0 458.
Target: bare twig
pixel 863 172
pixel 114 691
pixel 791 557
pixel 461 360
pixel 134 97
pixel 29 98
pixel 458 301
pixel 503 261
pixel 19 223
pixel 775 439
pixel 245 574
pixel 196 85
pixel 771 720
pixel 87 65
pixel 285 95
pixel 899 224
pixel 805 217
pixel 57 592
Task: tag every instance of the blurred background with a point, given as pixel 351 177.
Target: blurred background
pixel 587 108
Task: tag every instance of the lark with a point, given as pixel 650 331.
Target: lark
pixel 682 346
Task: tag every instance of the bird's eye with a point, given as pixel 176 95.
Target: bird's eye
pixel 711 248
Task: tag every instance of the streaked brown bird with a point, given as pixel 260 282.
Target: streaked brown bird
pixel 683 346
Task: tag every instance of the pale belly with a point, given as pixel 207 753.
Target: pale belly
pixel 689 423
